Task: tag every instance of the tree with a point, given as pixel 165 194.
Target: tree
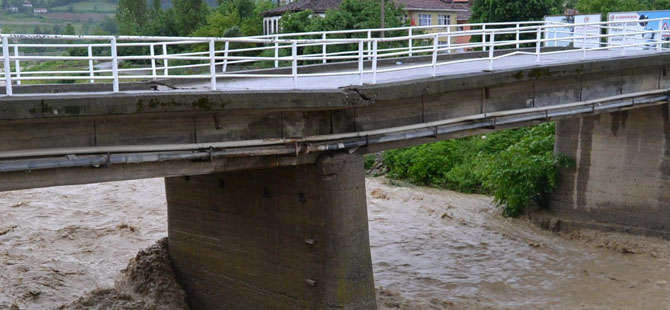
pixel 157 7
pixel 606 6
pixel 234 18
pixel 107 26
pixel 162 24
pixel 486 11
pixel 352 14
pixel 189 15
pixel 69 30
pixel 132 16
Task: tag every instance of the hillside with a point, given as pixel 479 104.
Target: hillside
pixel 87 16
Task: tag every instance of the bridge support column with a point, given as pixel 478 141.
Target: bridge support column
pixel 276 238
pixel 621 177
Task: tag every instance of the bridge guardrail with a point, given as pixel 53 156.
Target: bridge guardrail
pixel 100 58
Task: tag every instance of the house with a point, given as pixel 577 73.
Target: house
pixel 271 18
pixel 463 19
pixel 282 2
pixel 12 9
pixel 40 10
pixel 417 12
pixel 436 13
pixel 27 4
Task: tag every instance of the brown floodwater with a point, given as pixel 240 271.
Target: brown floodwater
pixel 431 249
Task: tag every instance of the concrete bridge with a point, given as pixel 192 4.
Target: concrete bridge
pixel 264 169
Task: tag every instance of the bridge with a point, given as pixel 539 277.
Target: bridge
pixel 263 166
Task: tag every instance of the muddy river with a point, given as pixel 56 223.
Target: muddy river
pixel 431 249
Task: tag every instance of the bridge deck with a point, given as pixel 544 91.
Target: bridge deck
pixel 477 65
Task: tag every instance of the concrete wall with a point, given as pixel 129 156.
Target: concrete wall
pixel 621 177
pixel 276 238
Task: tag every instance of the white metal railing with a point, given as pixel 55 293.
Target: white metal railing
pixel 41 58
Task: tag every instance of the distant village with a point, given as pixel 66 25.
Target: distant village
pixel 26 7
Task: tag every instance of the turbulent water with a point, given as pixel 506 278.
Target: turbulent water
pixel 431 249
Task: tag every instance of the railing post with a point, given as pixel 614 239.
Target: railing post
pixel 115 66
pixel 491 49
pixel 584 45
pixel 436 40
pixel 555 37
pixel 212 64
pixel 153 60
pixel 538 43
pixel 518 35
pixel 484 37
pixel 324 48
pixel 360 62
pixel 374 62
pixel 294 65
pixel 369 44
pixel 411 42
pixel 8 68
pixel 276 51
pixel 165 60
pixel 226 47
pixel 91 72
pixel 659 40
pixel 625 39
pixel 449 39
pixel 17 65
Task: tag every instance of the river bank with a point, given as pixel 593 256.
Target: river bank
pixel 431 249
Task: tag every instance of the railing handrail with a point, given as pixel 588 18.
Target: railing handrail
pixel 209 57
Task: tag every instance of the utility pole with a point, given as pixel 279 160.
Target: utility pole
pixel 382 19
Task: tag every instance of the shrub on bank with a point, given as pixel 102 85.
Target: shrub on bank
pixel 517 166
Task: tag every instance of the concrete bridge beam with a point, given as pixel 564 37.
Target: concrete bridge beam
pixel 278 238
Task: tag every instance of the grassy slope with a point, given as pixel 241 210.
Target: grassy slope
pixel 25 23
pixel 86 7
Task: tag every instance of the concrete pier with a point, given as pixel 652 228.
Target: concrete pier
pixel 278 238
pixel 621 177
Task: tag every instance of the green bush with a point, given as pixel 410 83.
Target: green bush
pixel 369 161
pixel 524 174
pixel 516 166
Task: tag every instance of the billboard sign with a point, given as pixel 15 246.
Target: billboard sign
pixel 591 31
pixel 573 34
pixel 636 22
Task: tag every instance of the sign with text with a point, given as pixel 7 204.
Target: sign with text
pixel 576 27
pixel 629 25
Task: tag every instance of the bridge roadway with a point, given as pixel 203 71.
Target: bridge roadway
pixel 265 188
pixel 452 69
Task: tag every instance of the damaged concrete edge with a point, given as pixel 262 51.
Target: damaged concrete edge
pixel 110 104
